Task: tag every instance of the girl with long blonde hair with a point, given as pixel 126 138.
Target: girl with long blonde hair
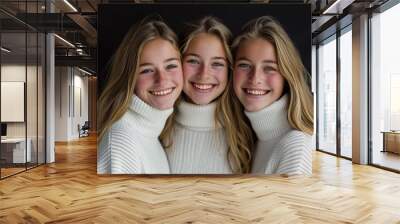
pixel 270 81
pixel 205 135
pixel 144 83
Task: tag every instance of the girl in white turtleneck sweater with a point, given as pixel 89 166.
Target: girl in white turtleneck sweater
pixel 131 145
pixel 271 83
pixel 144 83
pixel 203 136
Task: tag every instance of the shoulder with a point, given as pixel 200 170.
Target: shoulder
pixel 294 141
pixel 295 150
pixel 120 137
pixel 120 151
pixel 295 136
pixel 124 123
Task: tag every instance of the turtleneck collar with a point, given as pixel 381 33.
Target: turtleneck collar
pixel 148 120
pixel 271 122
pixel 196 116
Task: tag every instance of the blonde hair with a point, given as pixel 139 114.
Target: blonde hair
pixel 117 95
pixel 300 108
pixel 238 134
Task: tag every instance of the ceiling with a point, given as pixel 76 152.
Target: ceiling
pixel 76 22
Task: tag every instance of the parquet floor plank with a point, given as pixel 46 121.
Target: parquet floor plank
pixel 70 191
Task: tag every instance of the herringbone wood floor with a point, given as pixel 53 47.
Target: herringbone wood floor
pixel 70 191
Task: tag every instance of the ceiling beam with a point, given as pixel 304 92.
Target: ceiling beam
pixel 83 61
pixel 87 27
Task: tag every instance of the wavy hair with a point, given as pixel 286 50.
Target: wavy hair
pixel 119 90
pixel 237 132
pixel 300 108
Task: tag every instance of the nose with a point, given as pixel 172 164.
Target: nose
pixel 255 76
pixel 202 72
pixel 161 76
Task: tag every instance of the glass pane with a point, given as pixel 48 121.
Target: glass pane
pixel 14 146
pixel 327 96
pixel 31 84
pixel 385 85
pixel 31 97
pixel 346 94
pixel 41 98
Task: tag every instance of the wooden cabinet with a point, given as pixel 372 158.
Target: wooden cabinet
pixel 391 142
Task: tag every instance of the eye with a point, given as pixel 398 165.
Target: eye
pixel 171 66
pixel 193 61
pixel 146 71
pixel 218 64
pixel 244 66
pixel 269 69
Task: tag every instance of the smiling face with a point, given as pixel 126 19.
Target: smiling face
pixel 256 79
pixel 159 79
pixel 205 69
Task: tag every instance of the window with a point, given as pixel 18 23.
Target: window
pixel 327 96
pixel 22 66
pixel 385 88
pixel 346 93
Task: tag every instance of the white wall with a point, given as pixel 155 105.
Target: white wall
pixel 70 83
pixel 61 103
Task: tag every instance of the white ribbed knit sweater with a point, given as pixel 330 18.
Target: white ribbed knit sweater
pixel 131 145
pixel 280 149
pixel 199 146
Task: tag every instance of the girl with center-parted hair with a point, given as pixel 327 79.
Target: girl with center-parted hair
pixel 204 135
pixel 270 81
pixel 144 83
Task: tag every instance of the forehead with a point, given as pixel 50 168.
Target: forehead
pixel 158 49
pixel 206 44
pixel 256 49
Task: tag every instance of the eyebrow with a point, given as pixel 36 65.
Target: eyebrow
pixel 264 61
pixel 222 58
pixel 191 54
pixel 165 61
pixel 171 59
pixel 269 61
pixel 196 55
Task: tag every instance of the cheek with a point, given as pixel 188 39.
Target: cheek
pixel 238 82
pixel 276 81
pixel 239 77
pixel 189 71
pixel 222 76
pixel 177 77
pixel 142 84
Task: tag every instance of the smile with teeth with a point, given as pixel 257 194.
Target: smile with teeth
pixel 202 86
pixel 162 92
pixel 257 92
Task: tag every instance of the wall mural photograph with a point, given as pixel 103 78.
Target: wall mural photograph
pixel 203 91
pixel 199 111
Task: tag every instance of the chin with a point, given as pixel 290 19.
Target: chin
pixel 197 100
pixel 202 102
pixel 164 106
pixel 163 102
pixel 254 108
